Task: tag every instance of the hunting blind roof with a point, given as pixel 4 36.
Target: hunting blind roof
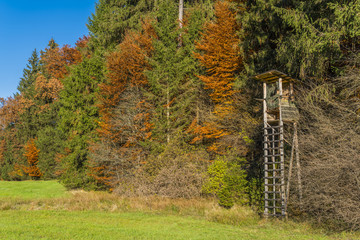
pixel 273 76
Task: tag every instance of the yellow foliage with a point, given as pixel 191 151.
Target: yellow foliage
pixel 32 156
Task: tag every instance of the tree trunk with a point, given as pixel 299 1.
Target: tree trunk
pixel 181 14
pixel 167 114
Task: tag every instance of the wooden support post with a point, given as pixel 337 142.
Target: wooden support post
pixel 274 166
pixel 298 166
pixel 282 164
pixel 290 169
pixel 291 98
pixel 266 213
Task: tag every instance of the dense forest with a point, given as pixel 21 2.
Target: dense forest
pixel 157 101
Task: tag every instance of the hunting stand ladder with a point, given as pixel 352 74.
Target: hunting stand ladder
pixel 278 107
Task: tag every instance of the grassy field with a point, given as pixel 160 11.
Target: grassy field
pixel 49 212
pixel 31 189
pixel 104 225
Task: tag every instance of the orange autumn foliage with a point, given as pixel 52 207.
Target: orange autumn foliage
pixel 126 69
pixel 125 77
pixel 127 64
pixel 56 62
pixel 8 111
pixel 58 59
pixel 32 157
pixel 2 150
pixel 209 130
pixel 47 89
pixel 11 108
pixel 220 56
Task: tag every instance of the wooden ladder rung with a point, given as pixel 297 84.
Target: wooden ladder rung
pixel 274 170
pixel 272 192
pixel 271 134
pixel 272 177
pixel 276 184
pixel 272 127
pixel 275 155
pixel 275 215
pixel 272 141
pixel 274 207
pixel 275 148
pixel 268 163
pixel 273 199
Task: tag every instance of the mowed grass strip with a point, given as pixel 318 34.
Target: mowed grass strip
pixel 29 190
pixel 105 225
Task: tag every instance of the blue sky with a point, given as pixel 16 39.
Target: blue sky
pixel 29 24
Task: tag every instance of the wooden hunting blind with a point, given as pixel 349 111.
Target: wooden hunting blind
pixel 278 107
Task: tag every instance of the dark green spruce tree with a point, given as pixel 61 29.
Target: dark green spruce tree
pixel 27 82
pixel 112 18
pixel 172 84
pixel 40 115
pixel 13 135
pixel 28 125
pixel 79 120
pixel 302 38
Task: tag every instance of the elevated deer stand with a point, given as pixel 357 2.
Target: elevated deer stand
pixel 278 107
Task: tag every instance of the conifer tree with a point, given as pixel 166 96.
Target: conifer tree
pixel 26 85
pixel 304 40
pixel 112 18
pixel 52 44
pixel 40 95
pixel 79 117
pixel 27 124
pixel 57 64
pixel 171 79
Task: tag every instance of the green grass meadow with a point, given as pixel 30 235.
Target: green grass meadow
pixel 104 225
pixel 44 210
pixel 31 189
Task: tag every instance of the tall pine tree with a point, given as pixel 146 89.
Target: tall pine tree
pixel 26 85
pixel 79 120
pixel 112 18
pixel 171 79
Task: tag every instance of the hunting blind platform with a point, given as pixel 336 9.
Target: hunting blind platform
pixel 278 108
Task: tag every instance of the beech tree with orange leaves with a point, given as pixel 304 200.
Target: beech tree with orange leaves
pixel 32 157
pixel 124 109
pixel 55 63
pixel 10 150
pixel 57 60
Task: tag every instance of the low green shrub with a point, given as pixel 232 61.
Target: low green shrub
pixel 227 180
